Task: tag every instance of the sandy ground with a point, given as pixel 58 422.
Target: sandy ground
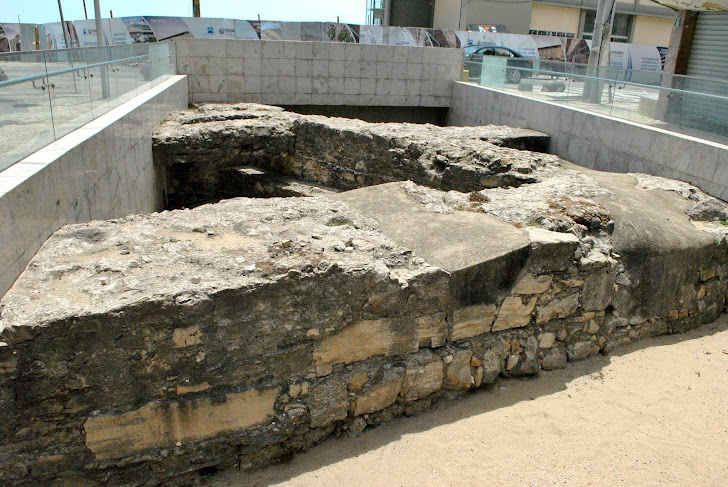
pixel 654 413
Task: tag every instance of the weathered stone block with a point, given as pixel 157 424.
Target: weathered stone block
pixel 472 321
pixel 186 337
pixel 581 350
pixel 599 289
pixel 431 331
pixel 547 340
pixel 533 284
pixel 360 341
pixel 422 377
pixel 328 402
pixel 514 313
pixel 381 395
pixel 162 425
pixel 458 375
pixel 494 362
pixel 554 358
pixel 551 251
pixel 557 308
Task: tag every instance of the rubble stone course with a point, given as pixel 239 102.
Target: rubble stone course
pixel 157 349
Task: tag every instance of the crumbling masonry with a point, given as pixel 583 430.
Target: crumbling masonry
pixel 406 264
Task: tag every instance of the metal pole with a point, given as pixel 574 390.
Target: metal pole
pixel 64 29
pixel 84 9
pixel 100 44
pixel 460 18
pixel 63 25
pixel 599 56
pixel 195 8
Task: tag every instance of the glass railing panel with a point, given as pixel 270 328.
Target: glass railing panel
pixel 70 89
pixel 691 105
pixel 26 123
pixel 493 72
pixel 698 112
pixel 124 76
pixel 162 61
pixel 47 94
pixel 104 89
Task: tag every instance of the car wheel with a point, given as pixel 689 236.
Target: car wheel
pixel 513 76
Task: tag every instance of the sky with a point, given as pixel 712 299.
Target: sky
pixel 45 11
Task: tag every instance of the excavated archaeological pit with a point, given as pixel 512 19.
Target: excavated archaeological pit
pixel 415 263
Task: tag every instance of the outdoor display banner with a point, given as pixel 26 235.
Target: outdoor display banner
pixel 334 32
pixel 404 36
pixel 371 34
pixel 619 55
pixel 291 31
pixel 10 40
pixel 167 27
pixel 207 28
pixel 549 48
pixel 462 37
pixel 439 38
pixel 133 30
pixel 86 32
pixel 244 29
pixel 119 32
pixel 312 31
pixel 524 45
pixel 271 31
pixel 139 30
pixel 645 58
pixel 50 35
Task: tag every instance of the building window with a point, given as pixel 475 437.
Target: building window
pixel 620 29
pixel 375 12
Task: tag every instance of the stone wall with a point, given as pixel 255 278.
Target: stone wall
pixel 156 349
pixel 210 365
pixel 317 73
pixel 203 152
pixel 102 170
pixel 598 141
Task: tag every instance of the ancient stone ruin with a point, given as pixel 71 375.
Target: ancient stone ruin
pixel 332 274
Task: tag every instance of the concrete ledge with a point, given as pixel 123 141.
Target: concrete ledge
pixel 102 170
pixel 598 141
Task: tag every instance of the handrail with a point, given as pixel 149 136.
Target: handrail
pixel 652 87
pixel 67 70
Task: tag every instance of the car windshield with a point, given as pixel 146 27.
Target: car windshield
pixel 472 49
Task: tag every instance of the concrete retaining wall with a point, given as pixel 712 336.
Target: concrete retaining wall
pixel 102 170
pixel 598 141
pixel 317 73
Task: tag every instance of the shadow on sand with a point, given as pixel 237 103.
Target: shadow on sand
pixel 503 394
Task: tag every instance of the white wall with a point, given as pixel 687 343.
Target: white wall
pixel 447 15
pixel 598 141
pixel 555 19
pixel 317 73
pixel 102 170
pixel 653 31
pixel 515 15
